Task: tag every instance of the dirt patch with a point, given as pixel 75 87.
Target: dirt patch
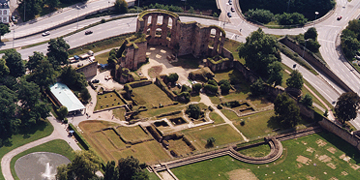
pixel 333 178
pixel 331 165
pixel 320 143
pixel 311 178
pixel 345 158
pixel 331 150
pixel 354 166
pixel 302 159
pixel 165 175
pixel 305 143
pixel 324 158
pixel 155 71
pixel 310 149
pixel 299 165
pixel 242 174
pixel 344 173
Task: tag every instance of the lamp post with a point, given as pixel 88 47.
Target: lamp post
pixel 316 13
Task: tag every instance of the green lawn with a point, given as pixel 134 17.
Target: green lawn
pixel 102 58
pixel 56 146
pixel 216 118
pixel 141 96
pixel 187 62
pixel 223 134
pixel 32 134
pixel 287 167
pixel 119 113
pixel 134 133
pixel 258 151
pixel 108 100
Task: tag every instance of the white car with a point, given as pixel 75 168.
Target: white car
pixel 46 33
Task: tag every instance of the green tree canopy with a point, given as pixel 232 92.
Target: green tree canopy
pixel 307 100
pixel 44 74
pixel 311 33
pixel 14 63
pixel 225 86
pixel 8 121
pixel 4 70
pixel 121 6
pixel 73 79
pixel 347 106
pixel 58 51
pixel 288 113
pixel 32 8
pixel 295 80
pixel 84 166
pixel 260 15
pixel 260 51
pixel 35 60
pixel 4 28
pixel 193 110
pixel 62 112
pixel 292 19
pixel 130 168
pixel 173 77
pixel 196 87
pixel 275 77
pixel 257 88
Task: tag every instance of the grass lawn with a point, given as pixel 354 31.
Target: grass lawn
pixel 179 146
pixel 119 113
pixel 134 133
pixel 232 46
pixel 56 146
pixel 223 134
pixel 216 118
pixel 29 135
pixel 258 151
pixel 231 115
pixel 108 100
pixel 91 126
pixel 102 58
pixel 152 176
pixel 187 62
pixel 141 96
pixel 320 163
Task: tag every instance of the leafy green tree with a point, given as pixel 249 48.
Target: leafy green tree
pixel 84 166
pixel 14 63
pixel 52 3
pixel 111 172
pixel 191 10
pixel 196 87
pixel 130 168
pixel 288 113
pixel 257 88
pixel 347 106
pixel 44 74
pixel 4 70
pixel 62 172
pixel 312 45
pixel 28 93
pixel 121 6
pixel 8 120
pixel 307 100
pixel 311 33
pixel 275 69
pixel 212 82
pixel 85 95
pixel 32 8
pixel 211 88
pixel 173 77
pixel 292 19
pixel 62 112
pixel 260 15
pixel 112 60
pixel 210 142
pixel 4 28
pixel 185 88
pixel 296 80
pixel 225 86
pixel 73 79
pixel 350 46
pixel 260 51
pixel 35 60
pixel 193 110
pixel 58 52
pixel 184 96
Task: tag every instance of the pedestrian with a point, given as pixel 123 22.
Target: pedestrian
pixel 240 30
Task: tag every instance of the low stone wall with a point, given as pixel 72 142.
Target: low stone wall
pixel 140 83
pixel 89 70
pixel 160 83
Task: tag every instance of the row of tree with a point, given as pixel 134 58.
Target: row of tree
pixel 266 16
pixel 350 38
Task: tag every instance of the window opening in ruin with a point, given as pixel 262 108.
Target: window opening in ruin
pixel 158 32
pixel 170 23
pixel 160 20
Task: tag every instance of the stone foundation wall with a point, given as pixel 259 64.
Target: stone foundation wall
pixel 89 70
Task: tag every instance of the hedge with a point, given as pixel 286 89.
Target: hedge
pixel 79 137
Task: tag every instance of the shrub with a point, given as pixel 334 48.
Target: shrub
pixel 307 100
pixel 211 88
pixel 191 10
pixel 210 142
pixel 242 123
pixel 257 88
pixel 196 87
pixel 103 21
pixel 219 106
pixel 173 77
pixel 292 19
pixel 193 110
pixel 225 86
pixel 260 15
pixel 62 112
pixel 215 14
pixel 184 97
pixel 121 6
pixel 212 82
pixel 185 88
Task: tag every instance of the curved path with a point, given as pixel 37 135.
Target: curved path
pixel 58 133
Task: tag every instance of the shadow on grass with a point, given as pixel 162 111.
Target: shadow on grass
pixel 342 145
pixel 187 62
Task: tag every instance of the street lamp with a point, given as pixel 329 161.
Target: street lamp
pixel 316 13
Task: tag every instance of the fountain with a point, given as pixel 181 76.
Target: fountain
pixel 47 174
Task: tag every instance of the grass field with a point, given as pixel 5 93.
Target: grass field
pixel 37 132
pixel 223 134
pixel 56 146
pixel 119 113
pixel 216 118
pixel 102 58
pixel 108 100
pixel 258 151
pixel 157 96
pixel 317 162
pixel 133 133
pixel 179 146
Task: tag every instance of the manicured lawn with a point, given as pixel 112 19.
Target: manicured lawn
pixel 320 163
pixel 232 46
pixel 231 115
pixel 157 96
pixel 223 134
pixel 158 111
pixel 258 151
pixel 152 176
pixel 133 133
pixel 216 118
pixel 179 146
pixel 56 146
pixel 108 100
pixel 32 134
pixel 102 58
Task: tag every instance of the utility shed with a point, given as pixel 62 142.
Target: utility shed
pixel 65 97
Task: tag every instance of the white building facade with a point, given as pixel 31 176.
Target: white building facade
pixel 4 12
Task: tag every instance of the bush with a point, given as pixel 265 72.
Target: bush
pixel 225 86
pixel 173 77
pixel 307 100
pixel 121 6
pixel 260 15
pixel 193 110
pixel 291 19
pixel 215 14
pixel 191 10
pixel 242 123
pixel 184 97
pixel 212 82
pixel 185 88
pixel 103 21
pixel 62 112
pixel 211 88
pixel 257 88
pixel 219 106
pixel 196 87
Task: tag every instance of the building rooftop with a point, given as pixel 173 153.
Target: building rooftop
pixel 66 97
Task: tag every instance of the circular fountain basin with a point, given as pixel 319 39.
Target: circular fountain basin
pixel 39 165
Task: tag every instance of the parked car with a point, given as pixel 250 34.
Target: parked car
pixel 46 33
pixel 88 32
pixel 230 2
pixel 339 18
pixel 232 9
pixel 229 14
pixel 95 81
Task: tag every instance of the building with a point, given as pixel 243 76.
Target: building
pixel 63 96
pixel 4 11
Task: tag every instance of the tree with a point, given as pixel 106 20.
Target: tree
pixel 173 77
pixel 35 60
pixel 257 88
pixel 295 80
pixel 32 8
pixel 292 19
pixel 84 166
pixel 28 93
pixel 62 112
pixel 58 52
pixel 313 45
pixel 85 95
pixel 311 33
pixel 4 28
pixel 112 60
pixel 193 110
pixel 210 142
pixel 196 87
pixel 225 86
pixel 14 63
pixel 44 74
pixel 8 121
pixel 4 70
pixel 275 69
pixel 130 168
pixel 307 100
pixel 73 79
pixel 260 15
pixel 111 172
pixel 212 82
pixel 121 6
pixel 347 106
pixel 52 3
pixel 260 51
pixel 288 113
pixel 62 172
pixel 209 88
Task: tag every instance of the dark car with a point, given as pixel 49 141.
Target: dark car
pixel 339 18
pixel 95 81
pixel 88 32
pixel 232 9
pixel 229 14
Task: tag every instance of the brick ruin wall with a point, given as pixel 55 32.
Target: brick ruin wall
pixel 89 70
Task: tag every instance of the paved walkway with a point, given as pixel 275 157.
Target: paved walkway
pixel 58 133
